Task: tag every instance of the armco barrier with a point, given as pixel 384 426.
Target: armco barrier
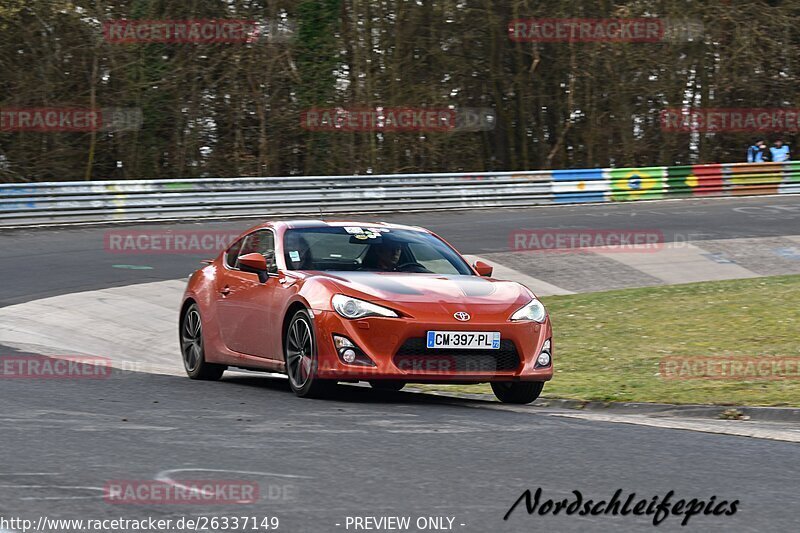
pixel 108 201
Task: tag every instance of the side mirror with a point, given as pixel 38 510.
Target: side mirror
pixel 483 269
pixel 255 263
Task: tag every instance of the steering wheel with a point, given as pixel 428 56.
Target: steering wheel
pixel 412 266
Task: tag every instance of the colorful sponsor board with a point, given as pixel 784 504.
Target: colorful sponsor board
pixel 791 178
pixel 696 180
pixel 754 178
pixel 646 183
pixel 579 186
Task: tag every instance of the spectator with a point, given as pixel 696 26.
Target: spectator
pixel 757 152
pixel 780 152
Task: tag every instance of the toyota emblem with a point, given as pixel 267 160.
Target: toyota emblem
pixel 462 316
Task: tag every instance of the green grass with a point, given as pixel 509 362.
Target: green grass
pixel 608 345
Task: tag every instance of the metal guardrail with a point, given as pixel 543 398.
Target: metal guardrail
pixel 133 200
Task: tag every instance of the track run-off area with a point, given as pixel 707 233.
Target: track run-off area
pixel 459 463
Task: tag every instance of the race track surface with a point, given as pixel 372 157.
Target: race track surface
pixel 47 262
pixel 366 454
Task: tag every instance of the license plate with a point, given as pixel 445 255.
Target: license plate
pixel 474 340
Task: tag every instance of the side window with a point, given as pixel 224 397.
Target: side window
pixel 233 253
pixel 261 242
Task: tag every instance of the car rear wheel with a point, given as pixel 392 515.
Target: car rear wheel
pixel 300 355
pixel 387 384
pixel 192 350
pixel 517 391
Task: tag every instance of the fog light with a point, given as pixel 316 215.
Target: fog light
pixel 543 359
pixel 342 342
pixel 349 355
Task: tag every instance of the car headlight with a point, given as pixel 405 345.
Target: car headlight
pixel 354 308
pixel 533 310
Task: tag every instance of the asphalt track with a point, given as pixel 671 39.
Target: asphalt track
pixel 366 453
pixel 46 262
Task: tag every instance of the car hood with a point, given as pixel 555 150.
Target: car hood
pixel 430 288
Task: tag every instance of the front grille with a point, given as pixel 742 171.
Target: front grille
pixel 415 356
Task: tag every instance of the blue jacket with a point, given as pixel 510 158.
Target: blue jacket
pixel 755 154
pixel 780 154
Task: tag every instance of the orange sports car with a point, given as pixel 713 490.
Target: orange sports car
pixel 327 302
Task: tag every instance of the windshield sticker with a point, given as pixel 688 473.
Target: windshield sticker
pixel 294 255
pixel 363 233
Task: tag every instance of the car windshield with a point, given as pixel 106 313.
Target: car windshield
pixel 374 249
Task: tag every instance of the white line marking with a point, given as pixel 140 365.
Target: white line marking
pixel 165 477
pixel 29 474
pixel 721 427
pixel 59 498
pixel 67 487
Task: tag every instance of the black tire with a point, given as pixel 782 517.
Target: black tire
pixel 300 356
pixel 193 349
pixel 387 385
pixel 517 391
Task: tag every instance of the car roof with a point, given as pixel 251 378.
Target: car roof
pixel 312 223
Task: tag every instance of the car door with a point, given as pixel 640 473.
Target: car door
pixel 246 307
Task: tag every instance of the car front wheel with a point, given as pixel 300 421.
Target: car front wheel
pixel 300 356
pixel 517 391
pixel 192 350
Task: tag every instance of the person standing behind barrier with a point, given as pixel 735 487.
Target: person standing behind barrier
pixel 780 152
pixel 757 152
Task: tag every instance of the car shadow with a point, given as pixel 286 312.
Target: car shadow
pixel 354 393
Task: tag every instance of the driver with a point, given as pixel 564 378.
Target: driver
pixel 384 256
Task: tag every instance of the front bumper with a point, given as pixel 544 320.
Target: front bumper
pixel 386 342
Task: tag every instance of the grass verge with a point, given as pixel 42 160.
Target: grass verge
pixel 609 345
